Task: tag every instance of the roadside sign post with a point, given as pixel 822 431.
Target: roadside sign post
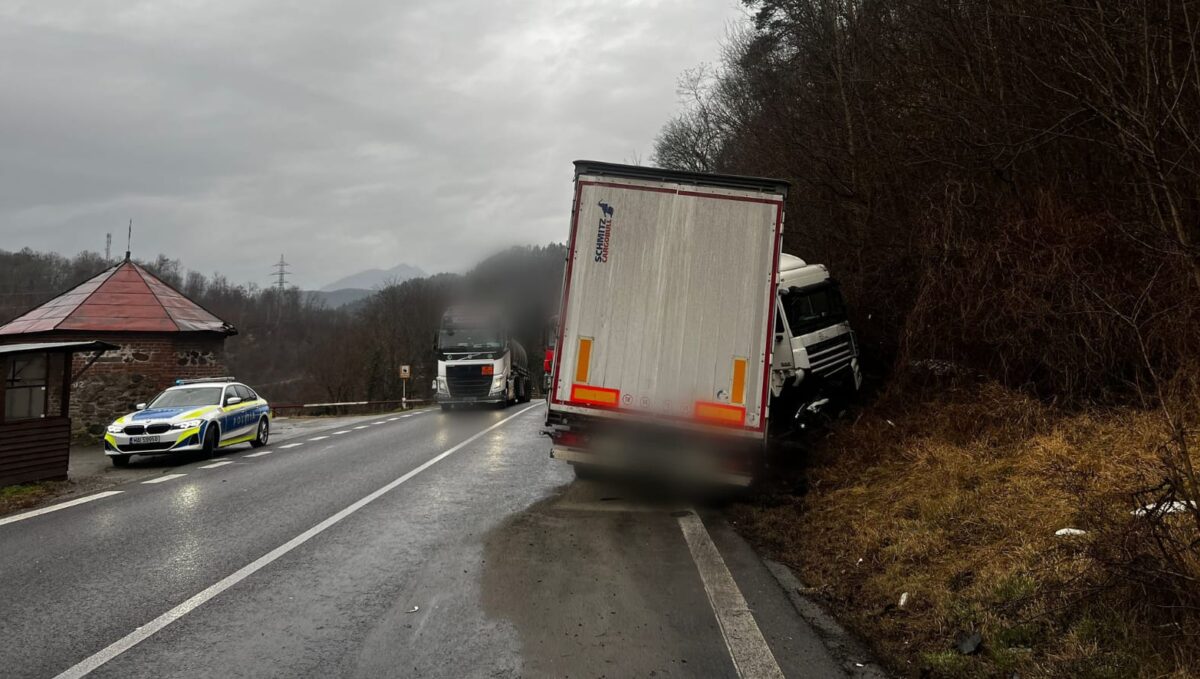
pixel 405 373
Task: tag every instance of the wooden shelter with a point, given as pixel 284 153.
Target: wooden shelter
pixel 35 422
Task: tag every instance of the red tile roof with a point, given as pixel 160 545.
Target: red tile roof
pixel 124 298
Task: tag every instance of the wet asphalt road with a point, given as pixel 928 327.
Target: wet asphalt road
pixel 491 561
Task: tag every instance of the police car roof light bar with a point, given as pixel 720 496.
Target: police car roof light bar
pixel 199 380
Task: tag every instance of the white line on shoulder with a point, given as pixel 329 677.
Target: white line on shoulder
pixel 54 508
pixel 752 657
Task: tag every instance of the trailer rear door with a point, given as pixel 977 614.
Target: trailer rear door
pixel 668 301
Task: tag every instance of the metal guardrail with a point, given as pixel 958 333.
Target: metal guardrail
pixel 403 403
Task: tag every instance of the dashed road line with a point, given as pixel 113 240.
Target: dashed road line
pixel 290 445
pixel 392 419
pixel 339 433
pixel 260 453
pixel 165 477
pixel 752 657
pixel 54 508
pixel 214 465
pixel 318 438
pixel 363 426
pixel 137 636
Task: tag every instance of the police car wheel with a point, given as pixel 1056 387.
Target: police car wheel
pixel 121 460
pixel 264 433
pixel 210 441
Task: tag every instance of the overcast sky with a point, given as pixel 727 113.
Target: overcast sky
pixel 346 134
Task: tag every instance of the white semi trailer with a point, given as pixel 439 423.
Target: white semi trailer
pixel 681 319
pixel 667 319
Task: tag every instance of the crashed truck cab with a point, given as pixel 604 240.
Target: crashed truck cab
pixel 815 349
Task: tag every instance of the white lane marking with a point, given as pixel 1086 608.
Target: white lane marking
pixel 214 465
pixel 361 427
pixel 752 657
pixel 144 632
pixel 318 438
pixel 290 445
pixel 380 422
pixel 165 477
pixel 339 433
pixel 54 508
pixel 260 453
pixel 392 419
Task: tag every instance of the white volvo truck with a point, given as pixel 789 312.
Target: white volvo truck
pixel 478 361
pixel 672 336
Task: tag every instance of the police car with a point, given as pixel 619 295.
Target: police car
pixel 194 415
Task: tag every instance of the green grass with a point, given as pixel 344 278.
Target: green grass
pixel 23 495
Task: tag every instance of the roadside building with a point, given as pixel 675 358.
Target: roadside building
pixel 35 397
pixel 159 334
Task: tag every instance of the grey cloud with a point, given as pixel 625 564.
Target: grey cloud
pixel 343 134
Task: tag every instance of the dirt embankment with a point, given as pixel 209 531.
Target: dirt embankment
pixel 931 526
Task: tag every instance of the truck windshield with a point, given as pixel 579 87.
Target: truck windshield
pixel 190 396
pixel 812 308
pixel 469 339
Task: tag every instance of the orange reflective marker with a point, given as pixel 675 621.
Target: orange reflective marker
pixel 738 394
pixel 583 359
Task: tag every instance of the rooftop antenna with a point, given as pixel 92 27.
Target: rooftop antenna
pixel 281 273
pixel 108 246
pixel 129 240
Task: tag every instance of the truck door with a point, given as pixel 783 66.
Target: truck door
pixel 783 367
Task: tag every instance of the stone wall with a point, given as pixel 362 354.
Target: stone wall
pixel 142 366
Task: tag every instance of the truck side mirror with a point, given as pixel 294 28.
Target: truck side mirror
pixel 140 406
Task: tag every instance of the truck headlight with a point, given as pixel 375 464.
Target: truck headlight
pixel 499 382
pixel 188 424
pixel 441 386
pixel 115 428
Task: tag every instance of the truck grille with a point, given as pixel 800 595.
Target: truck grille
pixel 829 356
pixel 467 381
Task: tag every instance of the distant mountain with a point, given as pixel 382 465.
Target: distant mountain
pixel 335 299
pixel 372 279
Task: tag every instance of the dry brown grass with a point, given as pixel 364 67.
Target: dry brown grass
pixel 956 500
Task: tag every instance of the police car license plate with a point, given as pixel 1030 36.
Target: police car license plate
pixel 144 439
